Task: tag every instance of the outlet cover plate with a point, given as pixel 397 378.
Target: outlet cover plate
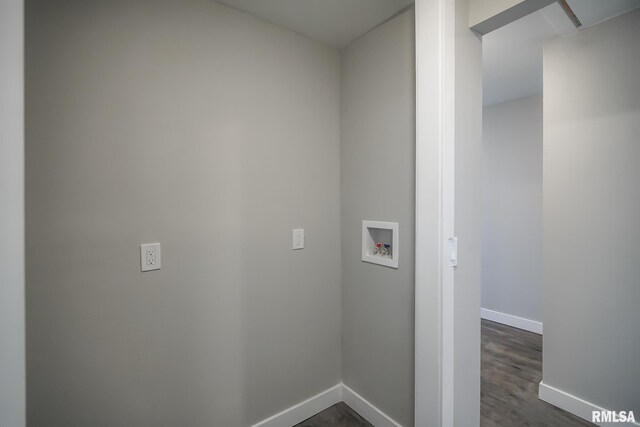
pixel 298 239
pixel 150 257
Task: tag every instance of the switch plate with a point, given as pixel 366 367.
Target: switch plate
pixel 150 257
pixel 298 238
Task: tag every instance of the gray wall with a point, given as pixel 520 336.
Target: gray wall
pixel 591 212
pixel 378 183
pixel 12 372
pixel 468 219
pixel 216 134
pixel 512 208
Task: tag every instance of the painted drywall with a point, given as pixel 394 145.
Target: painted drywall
pixel 429 17
pixel 12 347
pixel 512 208
pixel 216 134
pixel 468 220
pixel 591 196
pixel 378 183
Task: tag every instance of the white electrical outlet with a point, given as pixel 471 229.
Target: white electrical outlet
pixel 298 238
pixel 150 257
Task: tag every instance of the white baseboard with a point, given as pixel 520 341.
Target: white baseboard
pixel 318 403
pixel 510 320
pixel 372 414
pixel 303 410
pixel 571 403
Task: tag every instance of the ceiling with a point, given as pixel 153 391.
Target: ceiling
pixel 512 55
pixel 334 22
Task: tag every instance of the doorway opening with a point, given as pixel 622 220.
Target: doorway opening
pixel 513 219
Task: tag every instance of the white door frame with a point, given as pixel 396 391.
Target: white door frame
pixel 436 35
pixel 12 273
pixel 435 173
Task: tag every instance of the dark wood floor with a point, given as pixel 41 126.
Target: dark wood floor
pixel 338 415
pixel 511 373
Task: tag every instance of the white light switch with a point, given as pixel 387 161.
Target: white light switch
pixel 298 238
pixel 150 257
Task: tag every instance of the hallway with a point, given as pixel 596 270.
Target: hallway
pixel 511 372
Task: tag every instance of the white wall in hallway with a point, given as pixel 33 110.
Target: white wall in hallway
pixel 591 291
pixel 512 208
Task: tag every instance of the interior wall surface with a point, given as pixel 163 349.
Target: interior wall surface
pixel 378 183
pixel 512 208
pixel 214 133
pixel 591 210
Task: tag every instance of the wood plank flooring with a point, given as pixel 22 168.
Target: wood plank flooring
pixel 338 415
pixel 511 373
